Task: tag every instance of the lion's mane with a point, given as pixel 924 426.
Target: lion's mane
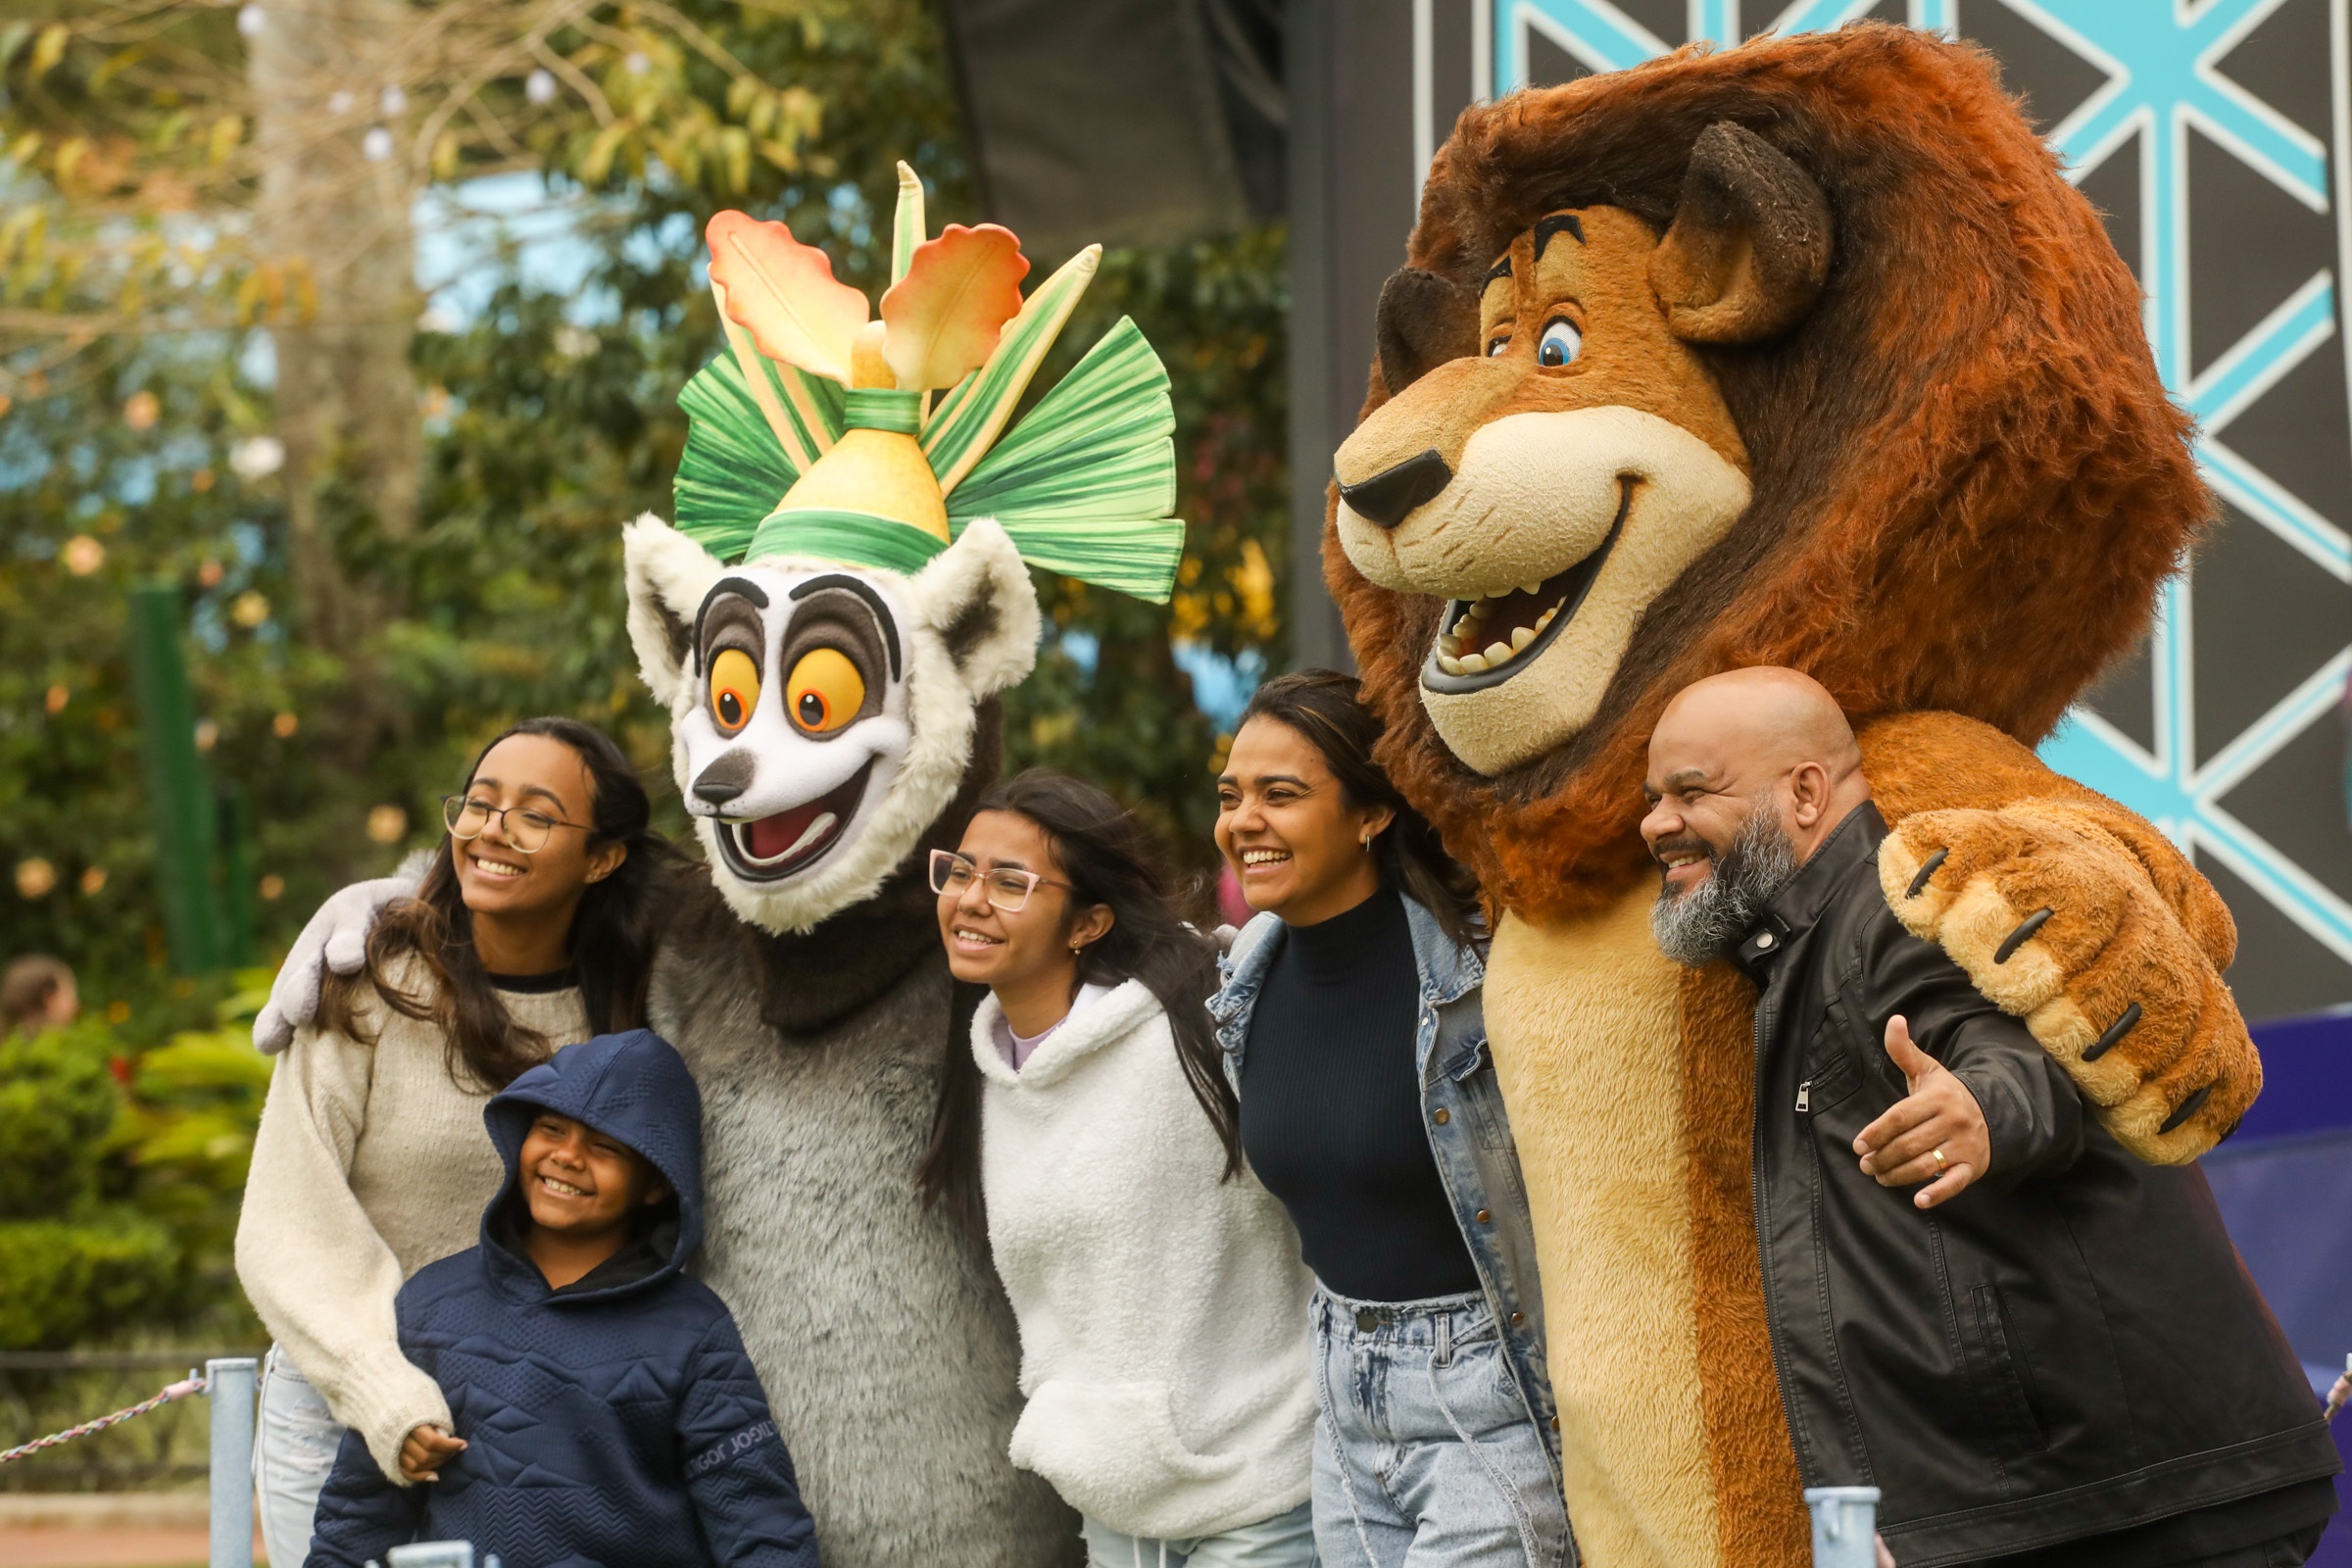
pixel 1969 481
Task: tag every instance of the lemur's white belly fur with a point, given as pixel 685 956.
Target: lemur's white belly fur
pixel 881 1336
pixel 1585 1023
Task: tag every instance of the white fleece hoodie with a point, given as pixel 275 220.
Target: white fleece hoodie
pixel 1163 1312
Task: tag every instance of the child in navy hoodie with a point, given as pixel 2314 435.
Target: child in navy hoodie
pixel 606 1411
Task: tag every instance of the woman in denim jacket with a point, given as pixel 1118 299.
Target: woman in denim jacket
pixel 1354 1035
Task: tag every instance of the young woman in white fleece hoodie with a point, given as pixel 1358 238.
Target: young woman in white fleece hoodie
pixel 1161 1300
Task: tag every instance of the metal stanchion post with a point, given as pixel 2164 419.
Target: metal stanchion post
pixel 1844 1526
pixel 229 1383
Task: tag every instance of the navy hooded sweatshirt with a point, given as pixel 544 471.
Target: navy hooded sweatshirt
pixel 614 1422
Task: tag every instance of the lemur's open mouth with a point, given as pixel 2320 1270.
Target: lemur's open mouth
pixel 769 849
pixel 1485 640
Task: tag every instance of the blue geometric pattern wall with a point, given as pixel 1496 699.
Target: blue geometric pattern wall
pixel 2217 136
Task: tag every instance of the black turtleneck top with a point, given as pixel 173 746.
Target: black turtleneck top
pixel 1330 1109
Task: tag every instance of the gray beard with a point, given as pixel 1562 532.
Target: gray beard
pixel 1697 927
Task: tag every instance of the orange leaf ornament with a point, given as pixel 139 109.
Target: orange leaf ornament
pixel 784 294
pixel 943 319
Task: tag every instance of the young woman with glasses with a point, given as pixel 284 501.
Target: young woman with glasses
pixel 1354 1028
pixel 1091 1131
pixel 532 929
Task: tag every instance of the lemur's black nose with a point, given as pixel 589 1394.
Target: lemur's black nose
pixel 726 778
pixel 1389 497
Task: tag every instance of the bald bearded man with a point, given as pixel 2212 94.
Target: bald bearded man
pixel 2041 1351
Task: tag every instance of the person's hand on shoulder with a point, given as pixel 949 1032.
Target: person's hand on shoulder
pixel 1936 1134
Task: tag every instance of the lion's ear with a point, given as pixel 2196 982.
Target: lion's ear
pixel 1749 246
pixel 1422 321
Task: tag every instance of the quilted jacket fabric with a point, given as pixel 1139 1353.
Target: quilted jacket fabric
pixel 614 1422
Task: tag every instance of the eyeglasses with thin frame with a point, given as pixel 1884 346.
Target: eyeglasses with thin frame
pixel 1008 887
pixel 469 817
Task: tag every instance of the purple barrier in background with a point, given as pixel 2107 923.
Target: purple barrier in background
pixel 2284 1186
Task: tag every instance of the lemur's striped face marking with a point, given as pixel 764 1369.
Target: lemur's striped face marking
pixel 802 716
pixel 822 716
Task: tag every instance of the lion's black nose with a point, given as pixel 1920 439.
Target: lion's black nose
pixel 1391 495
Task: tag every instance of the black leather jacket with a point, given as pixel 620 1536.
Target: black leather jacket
pixel 2070 1347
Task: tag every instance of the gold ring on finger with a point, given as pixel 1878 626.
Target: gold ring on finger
pixel 1939 1154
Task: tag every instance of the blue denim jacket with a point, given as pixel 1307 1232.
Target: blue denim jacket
pixel 1478 1160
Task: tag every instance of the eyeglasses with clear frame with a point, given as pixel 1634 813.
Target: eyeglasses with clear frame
pixel 469 817
pixel 1006 887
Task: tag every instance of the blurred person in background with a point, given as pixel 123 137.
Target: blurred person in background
pixel 1354 1024
pixel 1161 1302
pixel 532 929
pixel 37 994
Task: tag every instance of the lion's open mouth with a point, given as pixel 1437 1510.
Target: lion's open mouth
pixel 769 849
pixel 1485 640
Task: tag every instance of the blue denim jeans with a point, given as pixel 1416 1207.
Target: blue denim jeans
pixel 1286 1541
pixel 294 1443
pixel 1424 1453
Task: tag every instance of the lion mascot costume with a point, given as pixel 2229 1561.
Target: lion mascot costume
pixel 1801 353
pixel 843 595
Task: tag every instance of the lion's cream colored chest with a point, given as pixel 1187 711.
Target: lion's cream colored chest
pixel 1584 1015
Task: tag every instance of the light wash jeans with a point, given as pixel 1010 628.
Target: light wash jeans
pixel 294 1443
pixel 1424 1453
pixel 1286 1541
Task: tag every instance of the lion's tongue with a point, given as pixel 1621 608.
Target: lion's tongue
pixel 771 836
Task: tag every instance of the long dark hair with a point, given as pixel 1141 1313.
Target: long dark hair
pixel 1327 709
pixel 611 940
pixel 1107 857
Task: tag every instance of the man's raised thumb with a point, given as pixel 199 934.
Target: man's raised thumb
pixel 1911 1061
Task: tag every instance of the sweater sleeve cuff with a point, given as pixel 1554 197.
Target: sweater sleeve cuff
pixel 385 1402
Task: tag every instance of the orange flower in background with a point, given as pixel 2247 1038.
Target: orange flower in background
pixel 83 554
pixel 142 411
pixel 35 877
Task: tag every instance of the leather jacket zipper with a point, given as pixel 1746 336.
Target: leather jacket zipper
pixel 1804 1095
pixel 1755 1172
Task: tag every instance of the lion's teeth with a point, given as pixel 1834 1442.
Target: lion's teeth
pixel 1449 643
pixel 1452 665
pixel 1545 619
pixel 1531 589
pixel 1522 637
pixel 1471 664
pixel 1497 653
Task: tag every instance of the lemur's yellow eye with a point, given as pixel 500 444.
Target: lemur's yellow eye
pixel 734 688
pixel 826 691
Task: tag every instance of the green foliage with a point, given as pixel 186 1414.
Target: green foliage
pixel 58 1106
pixel 121 1172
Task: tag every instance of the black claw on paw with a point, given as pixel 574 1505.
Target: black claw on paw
pixel 1927 868
pixel 2115 1032
pixel 2188 1109
pixel 2017 938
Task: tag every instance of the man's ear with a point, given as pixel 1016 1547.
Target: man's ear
pixel 976 595
pixel 667 575
pixel 1750 247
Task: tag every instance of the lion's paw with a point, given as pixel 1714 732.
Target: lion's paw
pixel 2057 921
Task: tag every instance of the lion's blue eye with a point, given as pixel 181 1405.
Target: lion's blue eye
pixel 1560 343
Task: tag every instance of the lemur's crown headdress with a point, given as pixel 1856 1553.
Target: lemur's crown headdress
pixel 817 435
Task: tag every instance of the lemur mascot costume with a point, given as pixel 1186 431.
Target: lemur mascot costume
pixel 842 596
pixel 1799 353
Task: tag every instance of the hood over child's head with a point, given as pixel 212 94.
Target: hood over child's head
pixel 632 1089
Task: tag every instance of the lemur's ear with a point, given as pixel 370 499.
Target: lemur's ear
pixel 976 595
pixel 667 576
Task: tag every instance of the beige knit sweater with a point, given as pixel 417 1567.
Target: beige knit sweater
pixel 370 1162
